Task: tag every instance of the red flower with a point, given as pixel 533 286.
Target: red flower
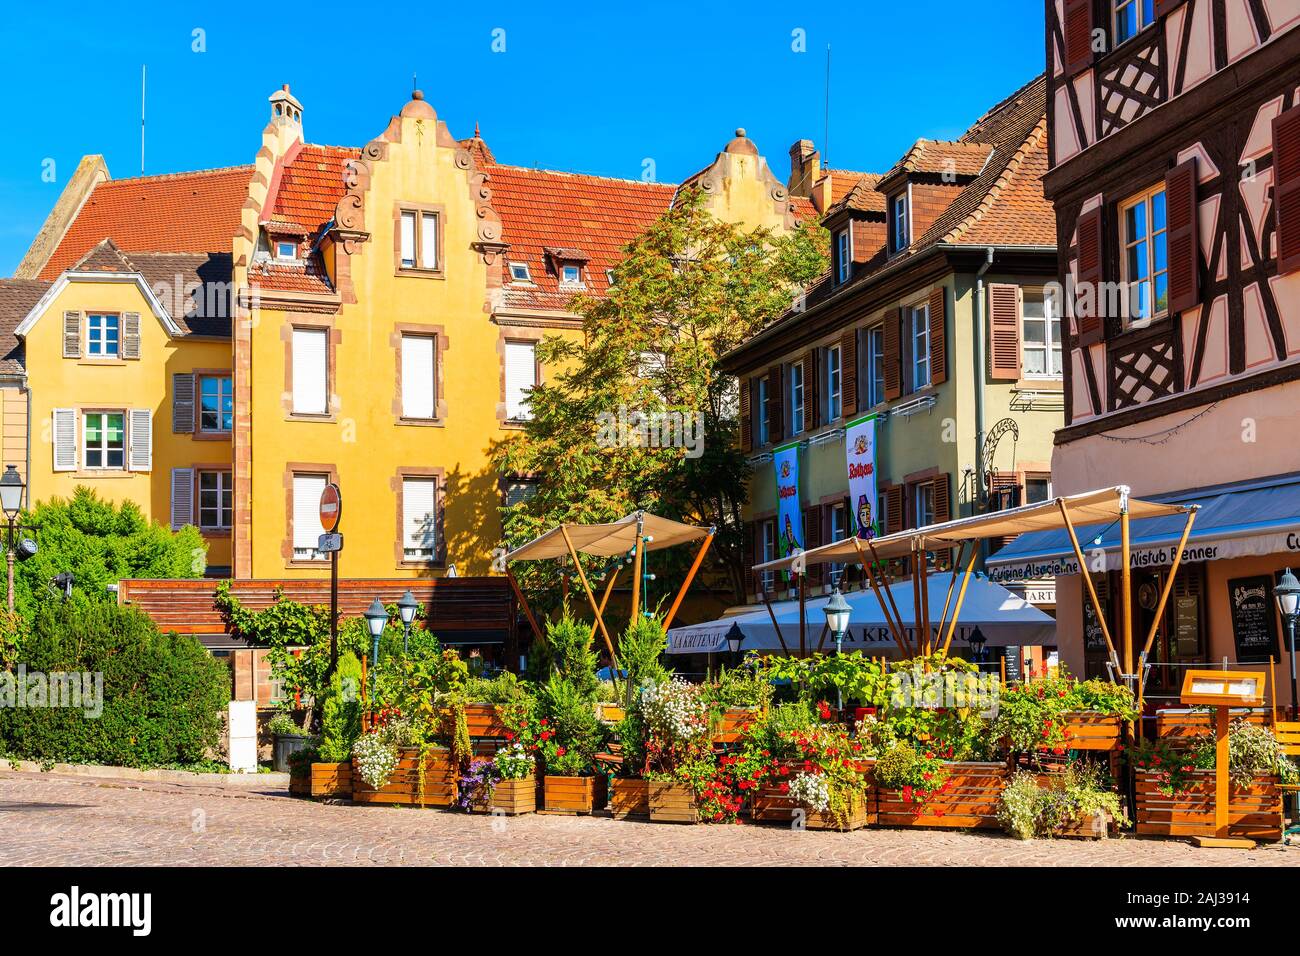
pixel 784 788
pixel 543 722
pixel 560 751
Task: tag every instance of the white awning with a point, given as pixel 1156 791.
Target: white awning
pixel 1002 617
pixel 608 540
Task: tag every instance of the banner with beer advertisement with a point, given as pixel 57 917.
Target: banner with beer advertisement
pixel 789 517
pixel 860 448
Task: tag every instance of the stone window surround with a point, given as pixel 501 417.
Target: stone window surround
pixel 334 339
pixel 228 468
pixel 292 468
pixel 514 333
pixel 440 345
pixel 440 496
pixel 439 211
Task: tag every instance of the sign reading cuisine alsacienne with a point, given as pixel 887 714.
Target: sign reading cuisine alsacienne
pixel 1254 618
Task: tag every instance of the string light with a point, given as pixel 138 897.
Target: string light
pixel 1162 436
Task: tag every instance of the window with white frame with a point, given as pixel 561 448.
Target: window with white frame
pixel 310 355
pixel 843 256
pixel 570 275
pixel 833 404
pixel 764 412
pixel 900 222
pixel 419 239
pixel 102 335
pixel 875 365
pixel 419 354
pixel 104 438
pixel 521 378
pixel 923 504
pixel 1146 257
pixel 769 551
pixel 216 500
pixel 307 528
pixel 285 249
pixel 519 272
pixel 796 398
pixel 919 340
pixel 216 403
pixel 1132 17
pixel 839 530
pixel 1041 335
pixel 419 519
pixel 1038 488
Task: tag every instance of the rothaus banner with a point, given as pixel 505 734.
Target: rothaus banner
pixel 789 517
pixel 860 448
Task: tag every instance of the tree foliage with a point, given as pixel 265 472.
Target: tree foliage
pixel 690 289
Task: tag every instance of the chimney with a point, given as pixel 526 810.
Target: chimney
pixel 286 118
pixel 805 168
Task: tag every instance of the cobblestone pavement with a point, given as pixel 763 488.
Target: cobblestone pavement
pixel 47 819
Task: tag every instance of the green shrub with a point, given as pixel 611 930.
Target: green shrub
pixel 341 711
pixel 574 735
pixel 571 653
pixel 502 689
pixel 163 695
pixel 1029 808
pixel 641 650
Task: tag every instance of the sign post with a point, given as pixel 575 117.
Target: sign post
pixel 1222 690
pixel 331 509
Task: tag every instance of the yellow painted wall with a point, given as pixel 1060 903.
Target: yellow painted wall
pixel 362 439
pixel 13 429
pixel 84 383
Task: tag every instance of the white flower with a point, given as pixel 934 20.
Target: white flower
pixel 812 791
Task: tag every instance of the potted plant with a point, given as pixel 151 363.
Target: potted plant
pixel 1077 802
pixel 331 771
pixel 288 738
pixel 675 718
pixel 568 738
pixel 484 700
pixel 629 791
pixel 503 783
pixel 737 698
pixel 1043 720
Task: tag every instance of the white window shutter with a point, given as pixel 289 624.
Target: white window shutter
pixel 417 376
pixel 182 497
pixel 130 343
pixel 183 403
pixel 72 335
pixel 141 439
pixel 310 371
pixel 521 375
pixel 420 516
pixel 306 510
pixel 65 439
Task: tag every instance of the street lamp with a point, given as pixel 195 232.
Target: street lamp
pixel 977 641
pixel 735 637
pixel 407 607
pixel 1287 593
pixel 837 619
pixel 376 618
pixel 11 500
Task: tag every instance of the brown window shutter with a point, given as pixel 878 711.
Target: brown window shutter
pixel 942 499
pixel 1004 332
pixel 1286 188
pixel 812 538
pixel 849 372
pixel 72 335
pixel 746 422
pixel 893 509
pixel 182 403
pixel 998 484
pixel 938 337
pixel 812 388
pixel 1183 237
pixel 1091 320
pixel 130 335
pixel 1078 28
pixel 776 404
pixel 893 361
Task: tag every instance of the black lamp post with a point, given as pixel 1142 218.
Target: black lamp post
pixel 407 607
pixel 735 637
pixel 376 618
pixel 977 641
pixel 1287 593
pixel 837 619
pixel 11 502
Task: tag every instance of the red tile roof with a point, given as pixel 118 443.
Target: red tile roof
pixel 843 181
pixel 310 186
pixel 177 212
pixel 541 209
pixel 17 298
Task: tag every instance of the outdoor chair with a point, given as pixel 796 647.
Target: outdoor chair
pixel 1288 735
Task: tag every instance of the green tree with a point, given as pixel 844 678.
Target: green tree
pixel 690 289
pixel 100 543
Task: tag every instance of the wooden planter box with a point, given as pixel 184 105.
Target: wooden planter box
pixel 769 805
pixel 1093 731
pixel 629 798
pixel 1254 812
pixel 971 801
pixel 300 782
pixel 403 787
pixel 733 724
pixel 484 720
pixel 331 781
pixel 1085 827
pixel 511 797
pixel 1191 724
pixel 672 802
pixel 572 794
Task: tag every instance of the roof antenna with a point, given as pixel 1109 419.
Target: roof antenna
pixel 143 70
pixel 826 137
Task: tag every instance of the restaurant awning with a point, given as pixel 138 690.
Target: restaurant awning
pixel 610 539
pixel 1248 518
pixel 1084 509
pixel 1002 617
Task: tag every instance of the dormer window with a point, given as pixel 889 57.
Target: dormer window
pixel 843 256
pixel 900 223
pixel 285 249
pixel 519 272
pixel 610 278
pixel 571 274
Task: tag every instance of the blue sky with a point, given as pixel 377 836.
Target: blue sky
pixel 596 90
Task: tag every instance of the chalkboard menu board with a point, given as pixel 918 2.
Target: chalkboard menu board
pixel 1012 657
pixel 1187 626
pixel 1093 638
pixel 1254 618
